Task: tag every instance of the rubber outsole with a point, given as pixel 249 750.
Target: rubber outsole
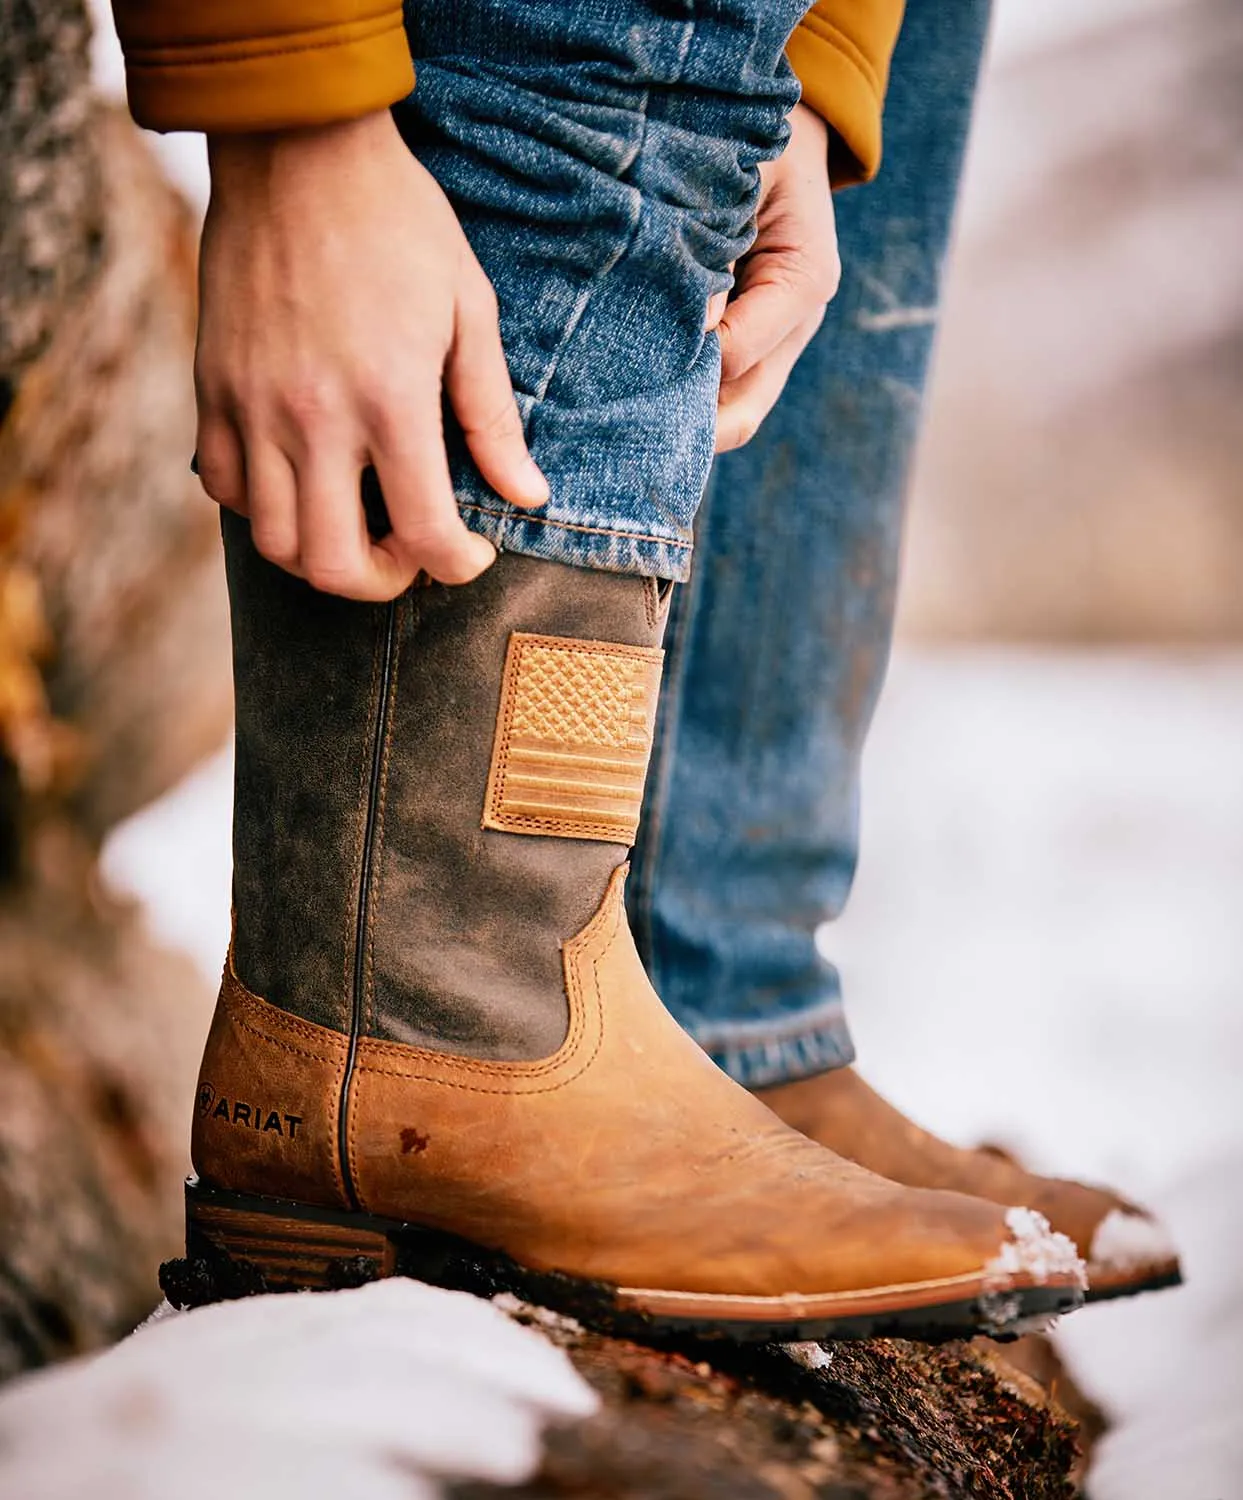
pixel 240 1245
pixel 1155 1281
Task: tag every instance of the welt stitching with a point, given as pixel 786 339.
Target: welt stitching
pixel 629 536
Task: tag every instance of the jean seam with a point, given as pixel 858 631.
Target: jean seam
pixel 628 536
pixel 823 1018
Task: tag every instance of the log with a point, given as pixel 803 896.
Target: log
pixel 882 1419
pixel 114 681
pixel 100 1031
pixel 51 196
pixel 101 510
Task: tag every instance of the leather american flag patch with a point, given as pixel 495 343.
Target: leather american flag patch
pixel 573 737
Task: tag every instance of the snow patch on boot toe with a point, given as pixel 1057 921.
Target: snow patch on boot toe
pixel 1035 1250
pixel 1127 1241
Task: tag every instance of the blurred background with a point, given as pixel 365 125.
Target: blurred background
pixel 1045 949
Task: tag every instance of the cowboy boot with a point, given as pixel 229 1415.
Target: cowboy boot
pixel 1126 1249
pixel 436 1052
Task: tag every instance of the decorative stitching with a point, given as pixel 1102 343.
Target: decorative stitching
pixel 506 1075
pixel 236 998
pixel 555 714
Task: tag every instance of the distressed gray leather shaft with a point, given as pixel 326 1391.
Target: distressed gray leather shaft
pixel 463 944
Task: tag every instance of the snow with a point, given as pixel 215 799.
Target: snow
pixel 1128 1242
pixel 811 1356
pixel 1036 1250
pixel 375 1394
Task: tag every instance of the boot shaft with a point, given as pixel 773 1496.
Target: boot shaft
pixel 432 795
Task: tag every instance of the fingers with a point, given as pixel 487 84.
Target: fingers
pixel 428 533
pixel 777 296
pixel 478 386
pixel 716 310
pixel 744 403
pixel 219 462
pixel 272 501
pixel 336 552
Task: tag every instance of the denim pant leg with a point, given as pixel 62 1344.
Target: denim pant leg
pixel 603 160
pixel 779 643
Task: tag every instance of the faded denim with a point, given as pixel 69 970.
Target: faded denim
pixel 778 645
pixel 603 158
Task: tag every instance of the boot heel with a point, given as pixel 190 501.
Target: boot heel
pixel 239 1245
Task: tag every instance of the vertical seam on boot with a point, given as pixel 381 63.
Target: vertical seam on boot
pixel 360 825
pixel 368 1016
pixel 366 877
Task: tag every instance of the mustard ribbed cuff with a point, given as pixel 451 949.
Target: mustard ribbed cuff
pixel 311 78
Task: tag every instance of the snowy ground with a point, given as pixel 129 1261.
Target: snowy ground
pixel 1046 950
pixel 373 1394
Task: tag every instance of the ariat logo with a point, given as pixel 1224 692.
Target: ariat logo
pixel 213 1106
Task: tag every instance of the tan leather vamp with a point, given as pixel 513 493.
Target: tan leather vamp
pixel 626 1156
pixel 842 1111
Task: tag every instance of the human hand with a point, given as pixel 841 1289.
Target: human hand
pixel 338 300
pixel 784 282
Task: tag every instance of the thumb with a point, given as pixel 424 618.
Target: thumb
pixel 479 390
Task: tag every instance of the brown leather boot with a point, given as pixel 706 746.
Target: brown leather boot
pixel 436 1052
pixel 1126 1250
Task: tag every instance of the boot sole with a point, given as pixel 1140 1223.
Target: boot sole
pixel 239 1245
pixel 1103 1287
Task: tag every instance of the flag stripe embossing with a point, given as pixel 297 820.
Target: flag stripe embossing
pixel 573 737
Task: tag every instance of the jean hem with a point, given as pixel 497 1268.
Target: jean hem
pixel 763 1054
pixel 605 549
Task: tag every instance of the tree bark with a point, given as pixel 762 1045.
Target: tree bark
pixel 880 1420
pixel 114 681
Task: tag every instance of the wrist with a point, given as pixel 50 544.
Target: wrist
pixel 243 163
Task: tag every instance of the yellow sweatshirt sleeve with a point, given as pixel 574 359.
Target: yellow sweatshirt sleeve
pixel 238 65
pixel 841 53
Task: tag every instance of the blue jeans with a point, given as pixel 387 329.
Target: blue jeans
pixel 603 159
pixel 778 645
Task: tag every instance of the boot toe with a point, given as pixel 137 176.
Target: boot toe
pixel 1130 1250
